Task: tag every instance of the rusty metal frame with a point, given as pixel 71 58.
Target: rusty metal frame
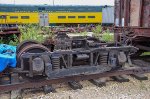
pixel 92 66
pixel 40 83
pixel 139 33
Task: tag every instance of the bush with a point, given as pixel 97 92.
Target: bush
pixel 11 40
pixel 28 32
pixel 106 36
pixel 34 32
pixel 14 41
pixel 97 31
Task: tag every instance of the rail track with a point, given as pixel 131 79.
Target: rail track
pixel 142 68
pixel 35 84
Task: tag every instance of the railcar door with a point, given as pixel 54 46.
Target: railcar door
pixel 43 19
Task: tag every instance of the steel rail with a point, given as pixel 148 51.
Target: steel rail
pixel 40 83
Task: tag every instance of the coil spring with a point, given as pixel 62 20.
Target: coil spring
pixel 103 59
pixel 56 63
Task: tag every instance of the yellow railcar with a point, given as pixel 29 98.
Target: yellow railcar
pixel 46 15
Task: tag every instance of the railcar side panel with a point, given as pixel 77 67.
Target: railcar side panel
pixel 19 18
pixel 75 17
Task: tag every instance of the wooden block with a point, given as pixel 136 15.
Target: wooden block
pixel 48 88
pixel 140 76
pixel 75 85
pixel 99 82
pixel 121 78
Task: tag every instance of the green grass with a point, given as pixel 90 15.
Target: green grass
pixel 34 32
pixel 106 36
pixel 145 53
pixel 98 31
pixel 28 32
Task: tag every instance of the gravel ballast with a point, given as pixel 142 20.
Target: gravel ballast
pixel 134 89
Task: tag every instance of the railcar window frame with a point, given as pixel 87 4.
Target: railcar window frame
pixel 25 17
pixel 81 17
pixel 13 17
pixel 41 8
pixel 91 17
pixel 61 17
pixel 71 17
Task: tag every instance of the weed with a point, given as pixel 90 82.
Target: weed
pixel 97 31
pixel 106 36
pixel 34 32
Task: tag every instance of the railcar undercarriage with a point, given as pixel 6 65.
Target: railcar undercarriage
pixel 68 59
pixel 70 56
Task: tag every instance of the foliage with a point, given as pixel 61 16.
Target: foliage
pixel 1 40
pixel 34 32
pixel 11 40
pixel 28 32
pixel 107 36
pixel 83 33
pixel 145 53
pixel 97 31
pixel 14 41
pixel 38 33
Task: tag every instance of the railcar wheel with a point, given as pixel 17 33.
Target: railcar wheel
pixel 39 68
pixel 24 44
pixel 32 48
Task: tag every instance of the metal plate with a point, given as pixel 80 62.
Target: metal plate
pixel 43 19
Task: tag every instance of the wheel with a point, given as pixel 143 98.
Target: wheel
pixel 32 48
pixel 25 43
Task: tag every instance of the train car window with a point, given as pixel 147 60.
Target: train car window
pixel 71 9
pixel 60 9
pixel 81 9
pixel 81 16
pixel 71 17
pixel 91 16
pixel 89 9
pixel 3 9
pixel 61 17
pixel 2 17
pixel 41 8
pixel 13 17
pixel 24 17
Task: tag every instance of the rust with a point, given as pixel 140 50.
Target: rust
pixel 10 30
pixel 136 25
pixel 40 83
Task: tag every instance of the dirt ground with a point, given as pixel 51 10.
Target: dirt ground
pixel 134 89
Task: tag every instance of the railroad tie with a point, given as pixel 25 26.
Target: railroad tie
pixel 120 78
pixel 140 76
pixel 48 88
pixel 75 85
pixel 99 82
